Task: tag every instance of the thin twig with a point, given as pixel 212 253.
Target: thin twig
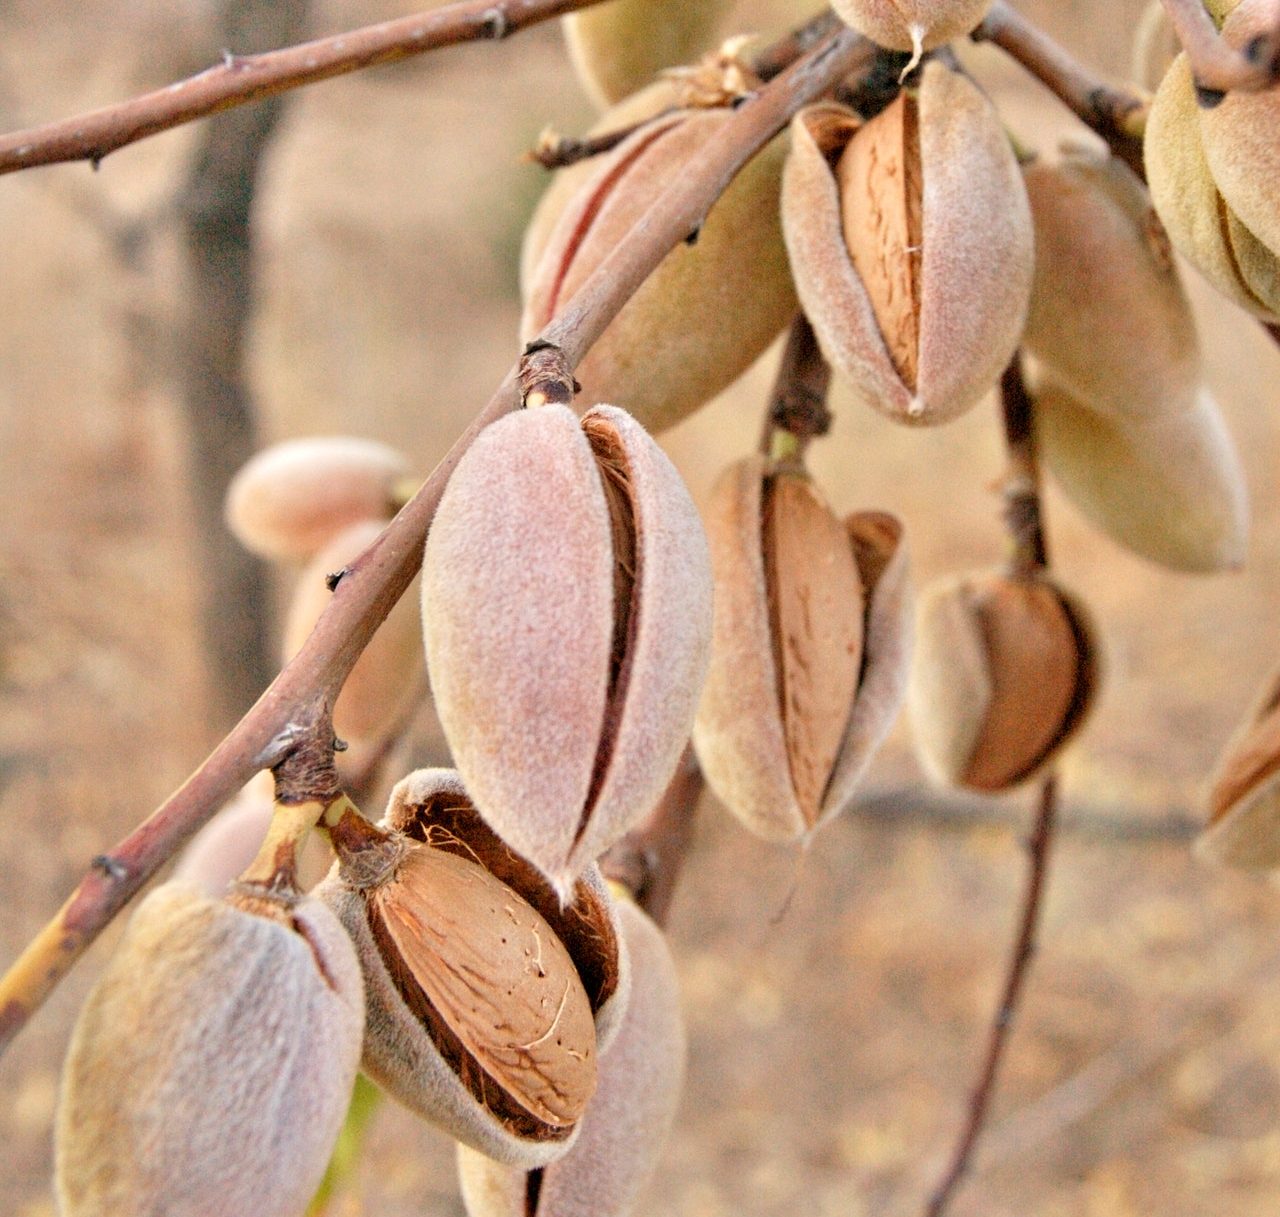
pixel 648 860
pixel 1217 68
pixel 1118 114
pixel 299 698
pixel 241 79
pixel 556 151
pixel 798 403
pixel 1038 849
pixel 1030 554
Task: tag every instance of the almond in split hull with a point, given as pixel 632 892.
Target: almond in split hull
pixel 1005 673
pixel 944 256
pixel 809 653
pixel 476 973
pixel 496 973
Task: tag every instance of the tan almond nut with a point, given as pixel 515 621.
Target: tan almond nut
pixel 1202 227
pixel 1172 490
pixel 620 47
pixel 388 678
pixel 912 25
pixel 1005 672
pixel 1244 799
pixel 626 1122
pixel 714 303
pixel 1239 134
pixel 293 498
pixel 808 653
pixel 211 1067
pixel 930 194
pixel 567 612
pixel 487 995
pixel 1108 319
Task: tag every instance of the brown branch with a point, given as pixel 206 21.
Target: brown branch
pixel 648 860
pixel 1038 849
pixel 1116 113
pixel 1216 67
pixel 241 79
pixel 556 151
pixel 1022 480
pixel 1030 554
pixel 302 693
pixel 798 403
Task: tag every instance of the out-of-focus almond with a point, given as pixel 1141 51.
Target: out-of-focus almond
pixel 809 649
pixel 1203 228
pixel 486 995
pixel 618 48
pixel 211 1067
pixel 1155 46
pixel 1239 134
pixel 1244 801
pixel 712 306
pixel 627 1120
pixel 567 612
pixel 1004 674
pixel 1170 489
pixel 293 498
pixel 946 244
pixel 1108 317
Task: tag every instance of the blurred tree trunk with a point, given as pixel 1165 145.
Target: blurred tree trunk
pixel 214 212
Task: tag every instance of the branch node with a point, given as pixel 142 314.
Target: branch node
pixel 114 870
pixel 545 376
pixel 333 578
pixel 495 23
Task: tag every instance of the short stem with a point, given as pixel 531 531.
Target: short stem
pixel 1024 947
pixel 276 866
pixel 1022 480
pixel 798 403
pixel 648 860
pixel 1022 516
pixel 1217 67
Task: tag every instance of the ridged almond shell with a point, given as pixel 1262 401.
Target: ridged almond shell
pixel 1108 317
pixel 742 736
pixel 211 1067
pixel 626 1123
pixel 293 498
pixel 1203 228
pixel 565 732
pixel 712 306
pixel 975 262
pixel 1244 801
pixel 1172 490
pixel 1005 673
pixel 462 1028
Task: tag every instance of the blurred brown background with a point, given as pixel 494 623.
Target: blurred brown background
pixel 832 1051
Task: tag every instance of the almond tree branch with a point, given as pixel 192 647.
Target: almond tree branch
pixel 298 700
pixel 1023 520
pixel 1116 113
pixel 241 79
pixel 1217 67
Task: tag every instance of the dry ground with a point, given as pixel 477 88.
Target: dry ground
pixel 831 1051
